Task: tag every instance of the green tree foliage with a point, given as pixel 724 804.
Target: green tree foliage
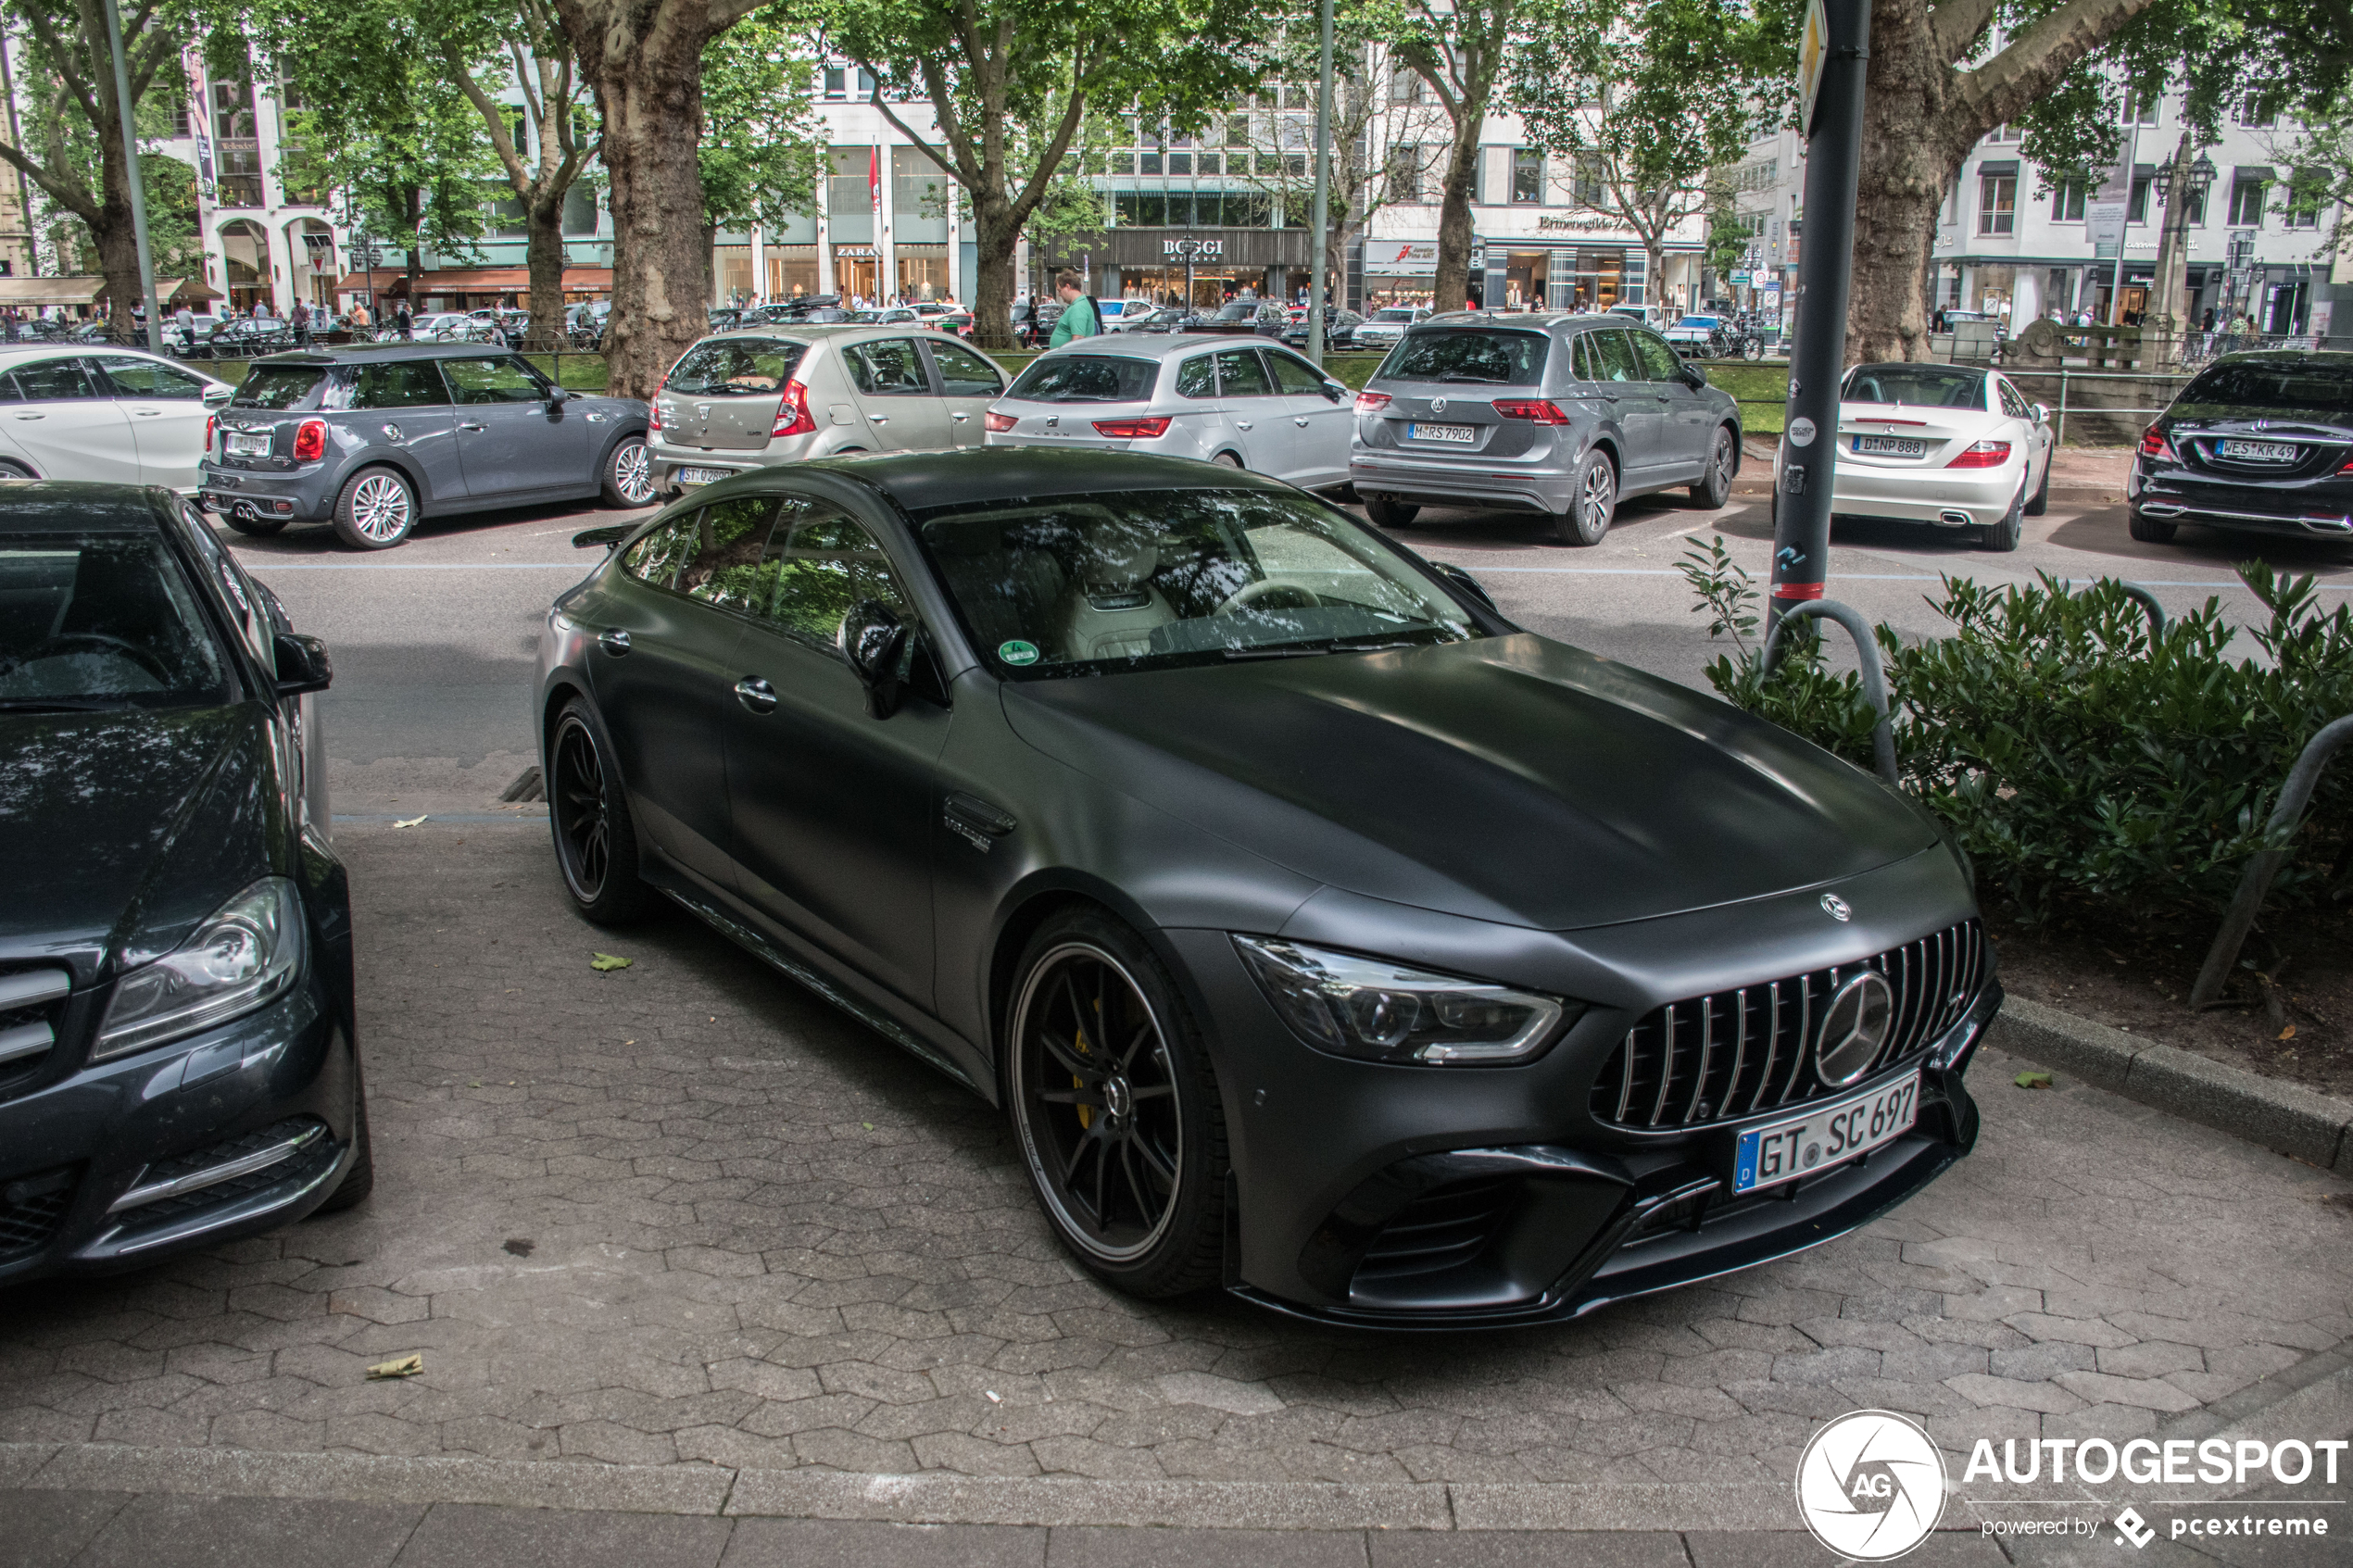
pixel 763 148
pixel 1462 48
pixel 1646 98
pixel 1013 82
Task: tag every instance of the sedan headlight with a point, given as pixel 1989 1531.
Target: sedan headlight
pixel 1377 1010
pixel 244 956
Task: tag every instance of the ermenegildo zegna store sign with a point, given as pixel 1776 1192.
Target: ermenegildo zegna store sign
pixel 1157 247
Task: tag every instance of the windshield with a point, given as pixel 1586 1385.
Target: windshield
pixel 1468 354
pixel 1394 316
pixel 2311 386
pixel 278 386
pixel 1087 378
pixel 101 621
pixel 1697 321
pixel 737 367
pixel 1099 584
pixel 1923 386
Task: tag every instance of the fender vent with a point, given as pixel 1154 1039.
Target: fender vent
pixel 1441 1230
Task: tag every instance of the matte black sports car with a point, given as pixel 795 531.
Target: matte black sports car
pixel 177 1056
pixel 1325 935
pixel 2258 443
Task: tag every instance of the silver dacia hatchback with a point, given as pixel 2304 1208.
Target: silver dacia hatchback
pixel 1557 414
pixel 782 394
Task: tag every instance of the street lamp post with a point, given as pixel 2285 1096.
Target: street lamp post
pixel 1188 250
pixel 1322 211
pixel 2181 183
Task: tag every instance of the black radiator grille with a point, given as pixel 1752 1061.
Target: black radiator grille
pixel 31 1207
pixel 33 1011
pixel 1734 1053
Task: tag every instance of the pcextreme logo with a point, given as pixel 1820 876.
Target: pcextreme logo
pixel 1871 1485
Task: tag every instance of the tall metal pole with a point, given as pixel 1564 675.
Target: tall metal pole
pixel 1809 439
pixel 16 139
pixel 138 189
pixel 1323 204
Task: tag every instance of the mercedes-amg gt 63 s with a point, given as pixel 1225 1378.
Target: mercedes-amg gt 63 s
pixel 1324 936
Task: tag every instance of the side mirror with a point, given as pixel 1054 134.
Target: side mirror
pixel 2041 413
pixel 873 638
pixel 608 536
pixel 558 394
pixel 1697 372
pixel 219 396
pixel 1463 580
pixel 1337 390
pixel 302 663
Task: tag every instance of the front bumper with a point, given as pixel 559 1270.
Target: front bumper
pixel 237 1130
pixel 1459 481
pixel 298 495
pixel 2314 509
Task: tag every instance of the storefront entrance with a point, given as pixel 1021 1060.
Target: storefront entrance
pixel 857 272
pixel 1527 281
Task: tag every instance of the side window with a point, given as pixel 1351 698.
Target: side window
pixel 1196 378
pixel 1659 360
pixel 656 558
pixel 724 567
pixel 134 377
pixel 888 368
pixel 399 383
pixel 48 381
pixel 1614 356
pixel 963 373
pixel 820 562
pixel 244 607
pixel 1580 359
pixel 1241 375
pixel 2012 404
pixel 1294 376
pixel 501 380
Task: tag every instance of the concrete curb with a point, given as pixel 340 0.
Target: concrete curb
pixel 2290 1118
pixel 2061 494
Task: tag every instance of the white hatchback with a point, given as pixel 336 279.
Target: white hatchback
pixel 115 415
pixel 1240 401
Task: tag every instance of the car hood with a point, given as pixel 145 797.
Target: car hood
pixel 1509 779
pixel 122 830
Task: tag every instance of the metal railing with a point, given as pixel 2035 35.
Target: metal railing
pixel 1865 658
pixel 2296 796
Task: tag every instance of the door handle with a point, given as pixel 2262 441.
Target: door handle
pixel 880 418
pixel 960 419
pixel 32 416
pixel 756 695
pixel 1241 424
pixel 613 640
pixel 1300 423
pixel 147 413
pixel 468 427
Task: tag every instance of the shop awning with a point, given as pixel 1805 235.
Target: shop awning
pixel 473 281
pixel 176 291
pixel 75 289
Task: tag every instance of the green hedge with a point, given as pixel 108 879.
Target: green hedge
pixel 2081 759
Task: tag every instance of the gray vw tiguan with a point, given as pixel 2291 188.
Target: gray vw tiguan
pixel 1562 415
pixel 374 438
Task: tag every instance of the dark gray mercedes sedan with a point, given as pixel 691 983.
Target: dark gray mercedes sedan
pixel 374 438
pixel 1324 936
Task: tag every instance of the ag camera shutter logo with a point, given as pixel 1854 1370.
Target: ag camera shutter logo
pixel 1871 1485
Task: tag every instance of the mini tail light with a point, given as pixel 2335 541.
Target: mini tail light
pixel 999 423
pixel 1371 402
pixel 1134 430
pixel 310 441
pixel 1983 455
pixel 653 405
pixel 793 416
pixel 1541 411
pixel 211 425
pixel 2154 444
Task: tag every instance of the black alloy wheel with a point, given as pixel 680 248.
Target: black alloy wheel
pixel 2004 536
pixel 596 842
pixel 1592 504
pixel 1116 1109
pixel 1715 486
pixel 2149 530
pixel 2040 502
pixel 1387 513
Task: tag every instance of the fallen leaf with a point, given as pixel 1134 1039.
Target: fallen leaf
pixel 868 1125
pixel 605 962
pixel 474 1083
pixel 2288 1033
pixel 409 824
pixel 407 1366
pixel 2034 1080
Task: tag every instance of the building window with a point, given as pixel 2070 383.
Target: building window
pixel 2305 198
pixel 2067 202
pixel 2247 203
pixel 1405 173
pixel 1997 204
pixel 1527 177
pixel 2005 134
pixel 845 82
pixel 2139 109
pixel 2253 111
pixel 2195 204
pixel 2136 205
pixel 580 209
pixel 1586 179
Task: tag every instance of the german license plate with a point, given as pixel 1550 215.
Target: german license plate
pixel 1889 447
pixel 245 443
pixel 703 476
pixel 2259 451
pixel 1466 434
pixel 1824 1136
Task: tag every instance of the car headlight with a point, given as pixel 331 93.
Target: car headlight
pixel 244 956
pixel 1377 1010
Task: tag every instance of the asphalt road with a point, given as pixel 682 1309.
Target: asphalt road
pixel 433 642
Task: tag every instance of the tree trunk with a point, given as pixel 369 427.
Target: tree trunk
pixel 1908 155
pixel 650 92
pixel 997 235
pixel 1452 290
pixel 545 220
pixel 118 259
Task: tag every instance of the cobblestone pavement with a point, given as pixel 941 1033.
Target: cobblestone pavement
pixel 685 1212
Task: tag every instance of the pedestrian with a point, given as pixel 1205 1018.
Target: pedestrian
pixel 302 323
pixel 261 310
pixel 1080 317
pixel 401 321
pixel 360 321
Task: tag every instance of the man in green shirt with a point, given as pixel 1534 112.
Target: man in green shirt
pixel 1078 317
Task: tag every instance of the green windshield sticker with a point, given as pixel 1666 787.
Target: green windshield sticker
pixel 1017 652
